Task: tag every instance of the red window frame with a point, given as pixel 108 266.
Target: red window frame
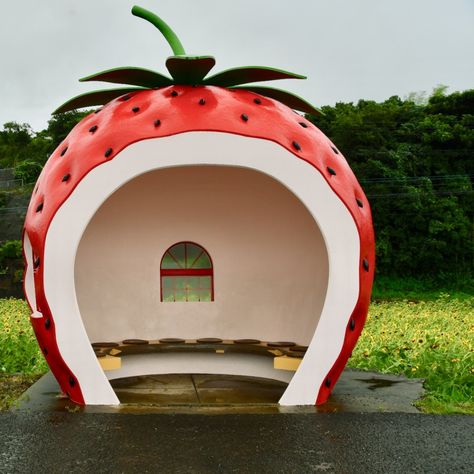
pixel 170 272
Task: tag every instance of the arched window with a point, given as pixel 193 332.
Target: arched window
pixel 186 274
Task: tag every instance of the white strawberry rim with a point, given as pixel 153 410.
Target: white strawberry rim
pixel 333 218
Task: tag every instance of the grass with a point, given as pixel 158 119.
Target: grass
pixel 21 362
pixel 428 334
pixel 19 351
pixel 430 339
pixel 12 386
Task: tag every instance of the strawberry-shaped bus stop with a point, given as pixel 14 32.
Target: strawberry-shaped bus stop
pixel 197 224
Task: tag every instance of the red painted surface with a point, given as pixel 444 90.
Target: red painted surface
pixel 118 126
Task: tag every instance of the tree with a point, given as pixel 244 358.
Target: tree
pixel 414 161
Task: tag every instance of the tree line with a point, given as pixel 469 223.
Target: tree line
pixel 413 157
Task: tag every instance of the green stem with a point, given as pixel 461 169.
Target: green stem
pixel 166 31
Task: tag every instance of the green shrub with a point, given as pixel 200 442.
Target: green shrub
pixel 10 249
pixel 28 171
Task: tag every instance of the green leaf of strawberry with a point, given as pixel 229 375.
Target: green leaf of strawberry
pixel 99 97
pixel 186 70
pixel 244 75
pixel 134 76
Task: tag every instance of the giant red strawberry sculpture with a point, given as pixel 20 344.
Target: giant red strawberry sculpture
pixel 192 118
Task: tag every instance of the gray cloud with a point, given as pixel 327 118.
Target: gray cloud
pixel 349 50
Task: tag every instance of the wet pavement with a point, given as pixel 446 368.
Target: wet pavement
pixel 215 424
pixel 58 442
pixel 356 391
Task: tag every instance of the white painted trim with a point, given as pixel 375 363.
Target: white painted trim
pixel 29 277
pixel 203 148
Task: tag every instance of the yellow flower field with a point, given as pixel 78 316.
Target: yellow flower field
pixel 433 340
pixel 19 352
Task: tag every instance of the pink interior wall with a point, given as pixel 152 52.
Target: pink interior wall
pixel 270 261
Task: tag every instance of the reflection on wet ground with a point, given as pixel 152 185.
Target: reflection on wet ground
pixel 356 391
pixel 198 389
pixel 374 383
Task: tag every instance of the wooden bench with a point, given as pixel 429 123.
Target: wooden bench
pixel 286 355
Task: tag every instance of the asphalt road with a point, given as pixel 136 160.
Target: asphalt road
pixel 246 443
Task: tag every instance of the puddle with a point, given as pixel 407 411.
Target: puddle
pixel 376 383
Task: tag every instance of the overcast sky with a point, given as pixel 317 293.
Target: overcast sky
pixel 349 49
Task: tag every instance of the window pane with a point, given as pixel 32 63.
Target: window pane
pixel 178 253
pixel 180 282
pixel 193 295
pixel 203 261
pixel 180 295
pixel 167 282
pixel 168 295
pixel 193 252
pixel 205 282
pixel 192 282
pixel 168 262
pixel 205 295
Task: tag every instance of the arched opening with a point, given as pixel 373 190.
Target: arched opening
pixel 186 274
pixel 101 261
pixel 269 271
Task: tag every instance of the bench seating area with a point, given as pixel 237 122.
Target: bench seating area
pixel 287 355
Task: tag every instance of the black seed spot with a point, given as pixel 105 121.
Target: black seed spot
pixel 303 124
pixel 174 93
pixel 257 101
pixel 136 109
pixel 331 171
pixel 202 102
pixel 45 351
pixel 244 117
pixel 47 323
pixel 125 98
pixel 39 207
pixel 64 151
pixel 97 111
pixel 66 178
pixel 335 150
pixel 327 382
pixel 359 202
pixel 352 325
pixel 296 146
pixel 108 152
pixel 93 129
pixel 36 262
pixel 72 381
pixel 157 123
pixel 365 264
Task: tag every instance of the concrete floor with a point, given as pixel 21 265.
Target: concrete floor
pixel 212 424
pixel 356 391
pixel 197 389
